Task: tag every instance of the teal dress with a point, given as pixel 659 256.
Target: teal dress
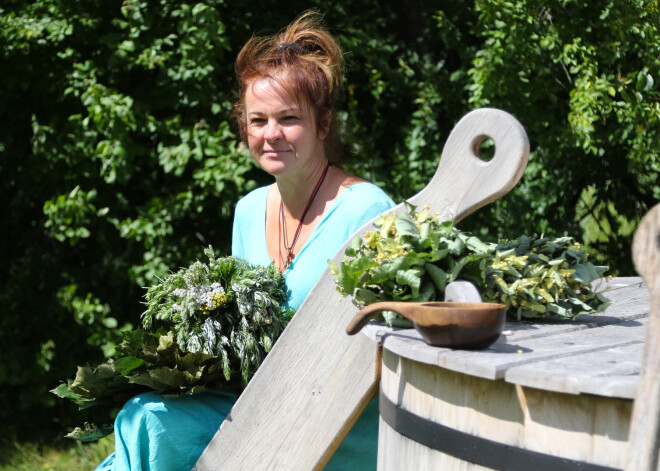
pixel 169 434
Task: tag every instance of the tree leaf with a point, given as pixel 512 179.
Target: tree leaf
pixel 125 365
pixel 405 226
pixel 437 275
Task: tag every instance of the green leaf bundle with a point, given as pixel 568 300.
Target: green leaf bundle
pixel 412 256
pixel 209 325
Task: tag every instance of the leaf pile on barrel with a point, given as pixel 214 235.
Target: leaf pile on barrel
pixel 411 256
pixel 208 326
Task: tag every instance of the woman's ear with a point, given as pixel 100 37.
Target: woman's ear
pixel 324 124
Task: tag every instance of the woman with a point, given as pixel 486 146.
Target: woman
pixel 288 89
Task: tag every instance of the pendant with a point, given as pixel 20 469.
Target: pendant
pixel 289 259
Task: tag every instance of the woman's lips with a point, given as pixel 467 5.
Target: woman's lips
pixel 274 153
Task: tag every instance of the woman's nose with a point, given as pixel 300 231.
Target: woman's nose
pixel 272 131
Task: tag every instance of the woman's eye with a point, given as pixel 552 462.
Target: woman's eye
pixel 257 121
pixel 291 118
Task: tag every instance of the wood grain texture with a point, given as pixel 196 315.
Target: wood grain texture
pixel 593 355
pixel 316 380
pixel 612 372
pixel 477 406
pixel 592 429
pixel 463 181
pixel 645 426
pixel 504 355
pixel 586 428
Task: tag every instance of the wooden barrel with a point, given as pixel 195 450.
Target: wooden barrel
pixel 432 418
pixel 546 397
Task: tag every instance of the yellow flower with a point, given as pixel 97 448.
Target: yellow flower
pixel 217 300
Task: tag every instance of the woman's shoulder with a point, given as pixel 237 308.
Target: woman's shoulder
pixel 362 201
pixel 367 193
pixel 255 197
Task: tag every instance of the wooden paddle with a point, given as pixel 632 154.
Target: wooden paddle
pixel 317 380
pixel 644 439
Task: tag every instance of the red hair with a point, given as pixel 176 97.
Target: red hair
pixel 310 58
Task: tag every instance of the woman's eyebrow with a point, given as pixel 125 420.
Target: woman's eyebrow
pixel 288 110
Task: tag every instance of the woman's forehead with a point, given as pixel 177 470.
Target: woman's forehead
pixel 269 90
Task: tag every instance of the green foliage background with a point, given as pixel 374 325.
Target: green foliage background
pixel 119 158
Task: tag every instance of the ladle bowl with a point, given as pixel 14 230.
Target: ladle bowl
pixel 443 324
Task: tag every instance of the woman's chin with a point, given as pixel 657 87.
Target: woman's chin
pixel 274 167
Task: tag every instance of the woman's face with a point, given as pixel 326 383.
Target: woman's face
pixel 283 137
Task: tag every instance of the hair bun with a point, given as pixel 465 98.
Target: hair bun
pixel 286 47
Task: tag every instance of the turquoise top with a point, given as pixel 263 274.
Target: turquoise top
pixel 169 434
pixel 353 208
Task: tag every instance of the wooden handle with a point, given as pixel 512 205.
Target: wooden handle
pixel 644 437
pixel 646 248
pixel 367 313
pixel 463 181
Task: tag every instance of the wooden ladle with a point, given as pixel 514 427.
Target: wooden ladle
pixel 443 324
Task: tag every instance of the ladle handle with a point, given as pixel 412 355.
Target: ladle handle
pixel 367 313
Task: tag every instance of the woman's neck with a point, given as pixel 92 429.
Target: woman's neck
pixel 296 190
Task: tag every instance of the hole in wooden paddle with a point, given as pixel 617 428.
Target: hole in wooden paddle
pixel 484 148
